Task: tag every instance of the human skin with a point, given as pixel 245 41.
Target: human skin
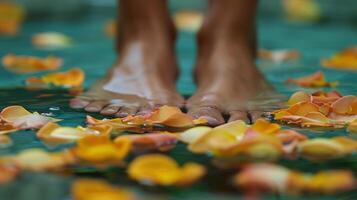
pixel 146 71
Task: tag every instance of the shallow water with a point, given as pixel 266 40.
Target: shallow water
pixel 93 52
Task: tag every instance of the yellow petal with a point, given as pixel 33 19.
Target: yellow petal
pixel 352 127
pixel 51 40
pixel 154 169
pixel 190 173
pixel 347 59
pixel 52 132
pixel 321 148
pixel 265 127
pixel 91 189
pixel 40 160
pixel 298 97
pixel 188 20
pixel 101 150
pixel 191 135
pixel 5 141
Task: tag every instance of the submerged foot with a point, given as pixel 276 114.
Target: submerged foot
pixel 229 84
pixel 145 74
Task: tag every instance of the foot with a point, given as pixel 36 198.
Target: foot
pixel 144 76
pixel 228 83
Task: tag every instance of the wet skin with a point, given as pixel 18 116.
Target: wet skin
pixel 144 76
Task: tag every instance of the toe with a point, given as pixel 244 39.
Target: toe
pixel 254 115
pixel 95 106
pixel 78 103
pixel 125 111
pixel 110 109
pixel 213 115
pixel 238 115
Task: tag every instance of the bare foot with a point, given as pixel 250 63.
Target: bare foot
pixel 145 74
pixel 228 81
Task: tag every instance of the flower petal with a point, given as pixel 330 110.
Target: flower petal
pixel 154 169
pixel 51 40
pixel 91 189
pixel 30 64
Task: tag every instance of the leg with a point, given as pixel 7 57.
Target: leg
pixel 145 74
pixel 227 78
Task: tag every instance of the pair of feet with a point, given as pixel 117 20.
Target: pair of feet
pixel 144 77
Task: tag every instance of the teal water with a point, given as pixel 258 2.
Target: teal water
pixel 93 51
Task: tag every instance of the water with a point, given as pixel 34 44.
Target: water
pixel 93 51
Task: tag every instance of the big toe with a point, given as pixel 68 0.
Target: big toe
pixel 211 114
pixel 78 103
pixel 95 106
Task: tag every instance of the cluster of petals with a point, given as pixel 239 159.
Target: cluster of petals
pixel 320 109
pixel 13 118
pixel 275 178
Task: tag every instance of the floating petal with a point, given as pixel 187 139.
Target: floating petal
pixel 162 170
pixel 30 64
pixel 316 79
pixel 91 189
pixel 71 78
pixel 101 150
pixel 51 40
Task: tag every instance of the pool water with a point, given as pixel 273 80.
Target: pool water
pixel 93 52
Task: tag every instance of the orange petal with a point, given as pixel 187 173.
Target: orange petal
pixel 71 78
pixel 7 173
pixel 301 109
pixel 11 17
pixel 150 141
pixel 171 116
pixel 265 127
pixel 347 59
pixel 154 169
pixel 29 64
pixel 6 128
pixel 20 118
pixel 111 28
pixel 52 132
pixel 298 97
pixel 316 79
pixel 11 113
pixel 263 177
pixel 345 105
pixel 91 189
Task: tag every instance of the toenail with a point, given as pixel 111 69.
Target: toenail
pixel 212 121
